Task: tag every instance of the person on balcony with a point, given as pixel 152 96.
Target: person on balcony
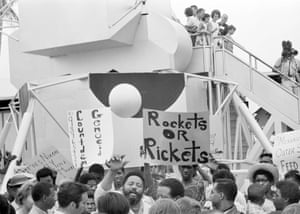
pixel 192 24
pixel 223 25
pixel 289 66
pixel 213 26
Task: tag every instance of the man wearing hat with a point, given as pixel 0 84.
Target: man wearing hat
pixel 14 183
pixel 266 175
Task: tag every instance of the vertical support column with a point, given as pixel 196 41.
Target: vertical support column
pixel 19 143
pixel 252 123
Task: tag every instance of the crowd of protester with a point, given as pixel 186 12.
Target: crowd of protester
pixel 191 189
pixel 205 29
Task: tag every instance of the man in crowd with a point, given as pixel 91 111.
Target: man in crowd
pixel 72 197
pixel 132 188
pixel 46 175
pixel 170 188
pixel 223 196
pixel 193 188
pixel 44 197
pixel 288 194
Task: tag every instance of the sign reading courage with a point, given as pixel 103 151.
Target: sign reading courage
pixel 175 137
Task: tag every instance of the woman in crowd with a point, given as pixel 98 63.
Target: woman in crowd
pixel 24 199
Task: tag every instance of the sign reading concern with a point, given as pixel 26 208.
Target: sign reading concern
pixel 175 138
pixel 91 136
pixel 286 152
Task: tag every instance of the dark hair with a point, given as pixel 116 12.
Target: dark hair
pixel 256 193
pixel 85 178
pixel 134 173
pixel 215 12
pixel 188 11
pixel 96 168
pixel 90 194
pixel 227 187
pixel 206 15
pixel 266 173
pixel 41 189
pixel 289 190
pixel 223 173
pixel 223 166
pixel 265 155
pixel 176 187
pixel 293 174
pixel 70 192
pixel 44 172
pixel 113 203
pixel 5 207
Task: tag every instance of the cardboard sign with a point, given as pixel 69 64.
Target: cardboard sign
pixel 175 138
pixel 53 159
pixel 91 136
pixel 286 153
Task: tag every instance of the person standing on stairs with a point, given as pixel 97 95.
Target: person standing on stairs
pixel 289 66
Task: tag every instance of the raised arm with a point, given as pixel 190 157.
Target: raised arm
pixel 114 164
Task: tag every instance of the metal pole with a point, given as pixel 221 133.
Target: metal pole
pixel 252 123
pixel 5 130
pixel 19 143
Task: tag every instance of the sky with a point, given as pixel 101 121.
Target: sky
pixel 261 24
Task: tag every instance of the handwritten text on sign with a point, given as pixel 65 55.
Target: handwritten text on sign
pixel 176 138
pixel 53 159
pixel 91 136
pixel 286 153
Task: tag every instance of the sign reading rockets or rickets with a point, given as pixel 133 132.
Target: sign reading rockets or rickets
pixel 286 151
pixel 91 136
pixel 175 138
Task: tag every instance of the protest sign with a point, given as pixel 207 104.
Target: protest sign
pixel 53 159
pixel 175 137
pixel 91 136
pixel 286 152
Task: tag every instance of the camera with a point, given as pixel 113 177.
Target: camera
pixel 287 50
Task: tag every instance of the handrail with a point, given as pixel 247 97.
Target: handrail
pixel 257 58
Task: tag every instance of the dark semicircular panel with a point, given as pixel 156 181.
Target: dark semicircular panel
pixel 159 91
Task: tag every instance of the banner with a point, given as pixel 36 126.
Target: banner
pixel 53 159
pixel 175 138
pixel 286 152
pixel 91 136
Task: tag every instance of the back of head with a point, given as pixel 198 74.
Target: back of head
pixel 256 194
pixel 176 187
pixel 113 203
pixel 189 205
pixel 289 191
pixel 293 175
pixel 227 187
pixel 41 189
pixel 165 206
pixel 70 192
